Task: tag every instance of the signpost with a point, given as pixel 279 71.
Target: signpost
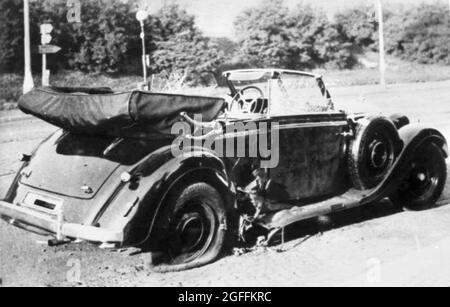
pixel 44 49
pixel 28 83
pixel 49 49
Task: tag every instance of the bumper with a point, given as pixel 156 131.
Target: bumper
pixel 23 217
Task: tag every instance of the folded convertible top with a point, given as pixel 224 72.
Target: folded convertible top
pixel 101 111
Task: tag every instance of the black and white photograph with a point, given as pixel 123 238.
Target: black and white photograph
pixel 204 145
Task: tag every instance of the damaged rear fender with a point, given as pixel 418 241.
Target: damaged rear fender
pixel 156 183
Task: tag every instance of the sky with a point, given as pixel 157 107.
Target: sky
pixel 215 17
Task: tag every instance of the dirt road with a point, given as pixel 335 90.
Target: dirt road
pixel 372 246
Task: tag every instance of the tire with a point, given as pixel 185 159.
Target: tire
pixel 373 152
pixel 425 181
pixel 197 228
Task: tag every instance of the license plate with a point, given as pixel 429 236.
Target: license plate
pixel 43 203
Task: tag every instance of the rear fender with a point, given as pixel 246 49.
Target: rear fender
pixel 12 191
pixel 413 137
pixel 159 176
pixel 196 166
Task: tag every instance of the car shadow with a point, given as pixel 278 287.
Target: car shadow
pixel 306 229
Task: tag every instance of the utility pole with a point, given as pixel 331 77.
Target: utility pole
pixel 382 44
pixel 28 83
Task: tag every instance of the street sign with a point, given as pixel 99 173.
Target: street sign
pixel 46 29
pixel 44 49
pixel 141 15
pixel 49 49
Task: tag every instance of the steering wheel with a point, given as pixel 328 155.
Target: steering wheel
pixel 247 104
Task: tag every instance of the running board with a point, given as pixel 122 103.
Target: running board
pixel 282 219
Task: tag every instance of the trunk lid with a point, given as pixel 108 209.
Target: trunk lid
pixel 78 166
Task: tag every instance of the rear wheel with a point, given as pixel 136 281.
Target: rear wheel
pixel 425 181
pixel 196 228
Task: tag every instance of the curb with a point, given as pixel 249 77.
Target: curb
pixel 15 118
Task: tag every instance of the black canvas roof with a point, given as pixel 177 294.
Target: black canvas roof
pixel 101 111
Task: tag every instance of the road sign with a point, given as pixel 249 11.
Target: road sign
pixel 46 29
pixel 48 49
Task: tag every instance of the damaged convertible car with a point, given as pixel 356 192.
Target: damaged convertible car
pixel 110 176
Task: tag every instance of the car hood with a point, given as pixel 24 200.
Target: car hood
pixel 76 165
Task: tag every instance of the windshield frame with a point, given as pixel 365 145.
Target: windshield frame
pixel 272 74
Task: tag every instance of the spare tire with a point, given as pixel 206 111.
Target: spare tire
pixel 373 151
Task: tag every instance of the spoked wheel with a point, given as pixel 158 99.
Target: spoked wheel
pixel 197 228
pixel 425 181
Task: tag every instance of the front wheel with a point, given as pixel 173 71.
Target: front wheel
pixel 425 181
pixel 197 228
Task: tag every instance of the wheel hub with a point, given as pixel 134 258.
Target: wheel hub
pixel 191 230
pixel 421 179
pixel 378 155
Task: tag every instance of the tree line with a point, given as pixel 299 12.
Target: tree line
pixel 267 35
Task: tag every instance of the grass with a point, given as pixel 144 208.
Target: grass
pixel 394 75
pixel 397 72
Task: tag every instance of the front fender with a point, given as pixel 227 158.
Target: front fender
pixel 413 137
pixel 420 133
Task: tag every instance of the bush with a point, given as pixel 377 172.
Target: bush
pixel 101 42
pixel 10 35
pixel 319 42
pixel 10 87
pixel 271 36
pixel 360 26
pixel 107 40
pixel 420 34
pixel 182 47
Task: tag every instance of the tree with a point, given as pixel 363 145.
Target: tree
pixel 182 47
pixel 101 42
pixel 263 33
pixel 225 45
pixel 11 33
pixel 360 26
pixel 332 49
pixel 271 36
pixel 420 34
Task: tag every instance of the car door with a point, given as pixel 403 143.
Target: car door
pixel 311 156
